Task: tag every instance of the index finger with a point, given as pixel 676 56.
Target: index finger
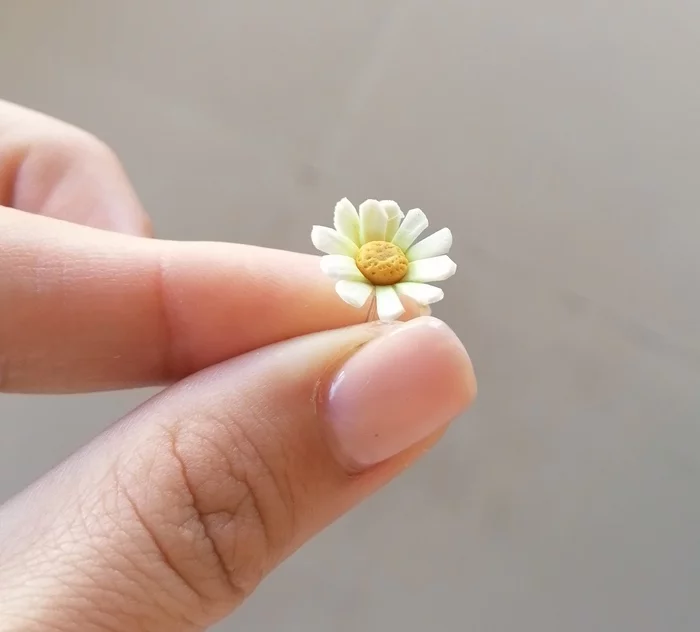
pixel 83 309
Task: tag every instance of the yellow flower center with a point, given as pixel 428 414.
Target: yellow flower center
pixel 382 262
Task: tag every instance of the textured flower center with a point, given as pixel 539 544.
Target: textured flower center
pixel 382 262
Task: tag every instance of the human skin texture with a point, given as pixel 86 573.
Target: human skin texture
pixel 277 416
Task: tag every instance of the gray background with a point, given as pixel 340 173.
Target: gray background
pixel 561 143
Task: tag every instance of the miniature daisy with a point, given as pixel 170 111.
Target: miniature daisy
pixel 372 253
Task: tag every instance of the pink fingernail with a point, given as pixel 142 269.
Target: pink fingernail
pixel 397 390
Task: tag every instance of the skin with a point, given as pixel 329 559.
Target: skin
pixel 266 431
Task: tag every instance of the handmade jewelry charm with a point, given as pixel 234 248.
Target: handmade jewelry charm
pixel 372 254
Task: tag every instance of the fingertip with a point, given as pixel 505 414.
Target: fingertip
pixel 397 390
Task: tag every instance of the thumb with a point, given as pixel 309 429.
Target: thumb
pixel 171 518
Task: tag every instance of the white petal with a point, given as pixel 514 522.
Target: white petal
pixel 332 242
pixel 389 305
pixel 394 216
pixel 354 293
pixel 421 293
pixel 429 270
pixel 437 244
pixel 373 222
pixel 341 267
pixel 412 226
pixel 347 221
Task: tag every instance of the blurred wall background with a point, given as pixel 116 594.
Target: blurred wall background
pixel 561 143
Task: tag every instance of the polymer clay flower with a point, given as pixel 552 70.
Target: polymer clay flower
pixel 373 253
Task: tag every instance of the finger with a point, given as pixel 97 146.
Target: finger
pixel 82 309
pixel 175 515
pixel 52 168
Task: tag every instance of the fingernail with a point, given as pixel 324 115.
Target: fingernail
pixel 397 390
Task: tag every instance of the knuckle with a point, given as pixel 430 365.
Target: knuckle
pixel 215 506
pixel 92 143
pixel 79 144
pixel 241 499
pixel 91 149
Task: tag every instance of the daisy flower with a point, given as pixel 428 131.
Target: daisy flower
pixel 372 254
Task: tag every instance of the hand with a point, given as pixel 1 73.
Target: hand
pixel 279 414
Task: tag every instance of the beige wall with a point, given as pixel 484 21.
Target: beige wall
pixel 561 142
